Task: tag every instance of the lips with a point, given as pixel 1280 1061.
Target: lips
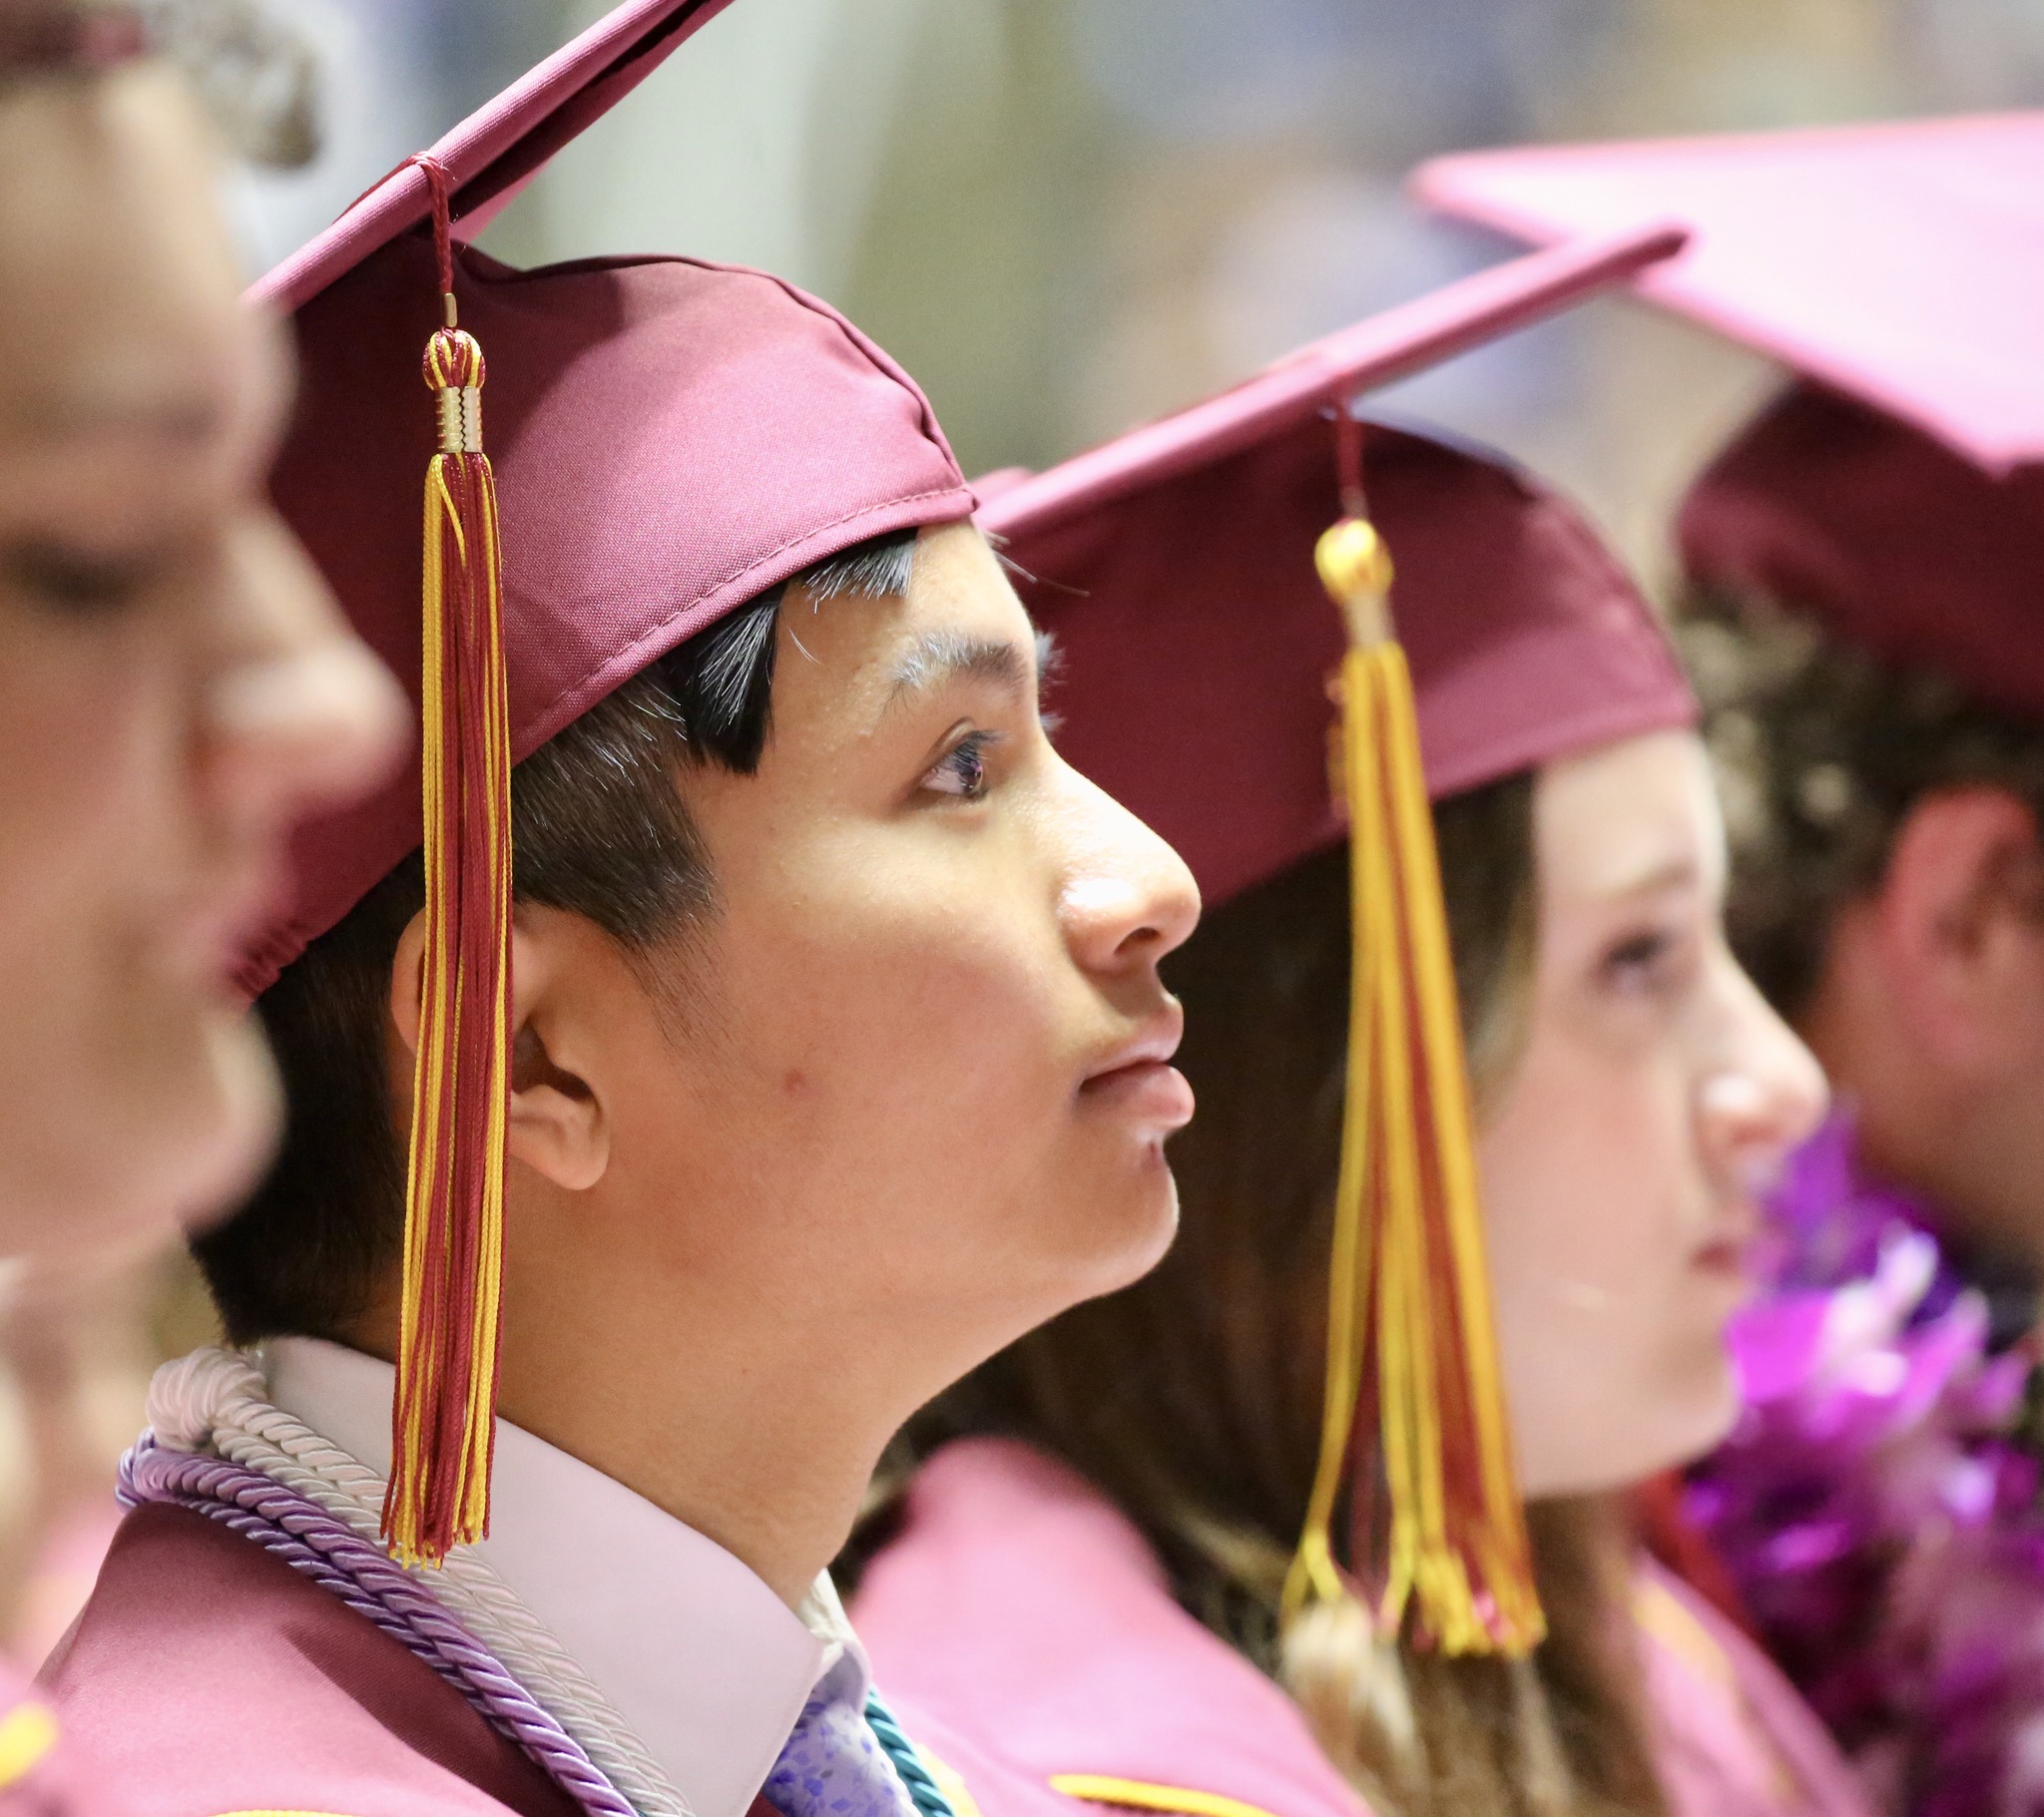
pixel 1137 1078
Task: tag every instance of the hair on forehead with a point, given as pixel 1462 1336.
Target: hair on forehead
pixel 880 569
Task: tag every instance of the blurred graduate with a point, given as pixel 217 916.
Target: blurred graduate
pixel 178 686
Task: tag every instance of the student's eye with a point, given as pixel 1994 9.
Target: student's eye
pixel 961 770
pixel 1644 962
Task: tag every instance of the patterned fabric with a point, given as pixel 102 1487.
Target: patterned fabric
pixel 1878 1503
pixel 834 1764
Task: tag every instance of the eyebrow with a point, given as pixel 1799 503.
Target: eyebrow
pixel 939 656
pixel 1668 874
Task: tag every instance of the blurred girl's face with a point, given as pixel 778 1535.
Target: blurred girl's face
pixel 176 687
pixel 1621 1158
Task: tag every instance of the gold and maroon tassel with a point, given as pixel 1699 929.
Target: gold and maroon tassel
pixel 1414 1421
pixel 443 1418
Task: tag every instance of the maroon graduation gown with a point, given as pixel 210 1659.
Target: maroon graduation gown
pixel 205 1676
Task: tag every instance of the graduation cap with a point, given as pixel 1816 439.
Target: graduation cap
pixel 1185 571
pixel 1911 551
pixel 665 440
pixel 1900 262
pixel 1894 491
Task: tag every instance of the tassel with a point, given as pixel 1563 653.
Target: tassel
pixel 443 1418
pixel 1412 1352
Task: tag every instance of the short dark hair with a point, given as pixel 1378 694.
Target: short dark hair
pixel 1823 751
pixel 599 829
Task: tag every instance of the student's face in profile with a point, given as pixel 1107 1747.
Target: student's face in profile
pixel 174 686
pixel 1655 1094
pixel 914 1090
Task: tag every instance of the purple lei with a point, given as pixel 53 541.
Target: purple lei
pixel 331 1552
pixel 1873 1506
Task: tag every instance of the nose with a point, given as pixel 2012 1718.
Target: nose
pixel 296 713
pixel 1128 898
pixel 1764 1093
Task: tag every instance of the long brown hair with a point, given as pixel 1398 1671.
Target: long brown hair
pixel 1193 1398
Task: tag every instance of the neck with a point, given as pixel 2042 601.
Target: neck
pixel 759 1442
pixel 748 1428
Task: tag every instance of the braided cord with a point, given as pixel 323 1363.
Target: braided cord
pixel 217 1398
pixel 323 1548
pixel 307 1502
pixel 930 1801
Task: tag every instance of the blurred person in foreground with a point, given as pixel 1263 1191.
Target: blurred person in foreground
pixel 176 688
pixel 1864 614
pixel 1182 1549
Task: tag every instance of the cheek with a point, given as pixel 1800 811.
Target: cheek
pixel 1612 1341
pixel 888 1010
pixel 89 749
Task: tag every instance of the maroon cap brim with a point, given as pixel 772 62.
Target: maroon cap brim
pixel 1386 347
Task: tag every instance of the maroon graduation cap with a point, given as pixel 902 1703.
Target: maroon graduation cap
pixel 1894 491
pixel 1186 570
pixel 1176 566
pixel 666 439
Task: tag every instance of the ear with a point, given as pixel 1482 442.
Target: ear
pixel 555 1123
pixel 1960 925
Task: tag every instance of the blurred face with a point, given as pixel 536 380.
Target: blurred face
pixel 174 686
pixel 916 1094
pixel 1655 1094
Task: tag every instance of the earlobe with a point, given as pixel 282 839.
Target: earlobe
pixel 555 1122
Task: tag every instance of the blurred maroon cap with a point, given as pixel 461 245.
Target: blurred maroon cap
pixel 1904 548
pixel 1894 490
pixel 671 438
pixel 1196 641
pixel 1901 263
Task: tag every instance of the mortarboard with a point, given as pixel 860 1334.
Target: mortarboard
pixel 1894 491
pixel 1177 567
pixel 666 439
pixel 1916 556
pixel 1898 262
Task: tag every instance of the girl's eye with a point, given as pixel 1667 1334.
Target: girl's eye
pixel 961 770
pixel 73 582
pixel 1639 962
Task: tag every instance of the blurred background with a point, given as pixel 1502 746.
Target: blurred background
pixel 1064 217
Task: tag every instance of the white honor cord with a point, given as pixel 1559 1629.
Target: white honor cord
pixel 217 1400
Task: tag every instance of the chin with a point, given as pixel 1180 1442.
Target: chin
pixel 1126 1228
pixel 1693 1424
pixel 197 1120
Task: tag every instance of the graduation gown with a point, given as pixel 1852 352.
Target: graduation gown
pixel 1024 1612
pixel 43 1770
pixel 205 1676
pixel 213 1677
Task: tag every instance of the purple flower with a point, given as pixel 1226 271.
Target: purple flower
pixel 1873 1506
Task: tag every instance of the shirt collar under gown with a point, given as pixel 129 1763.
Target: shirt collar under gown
pixel 706 1664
